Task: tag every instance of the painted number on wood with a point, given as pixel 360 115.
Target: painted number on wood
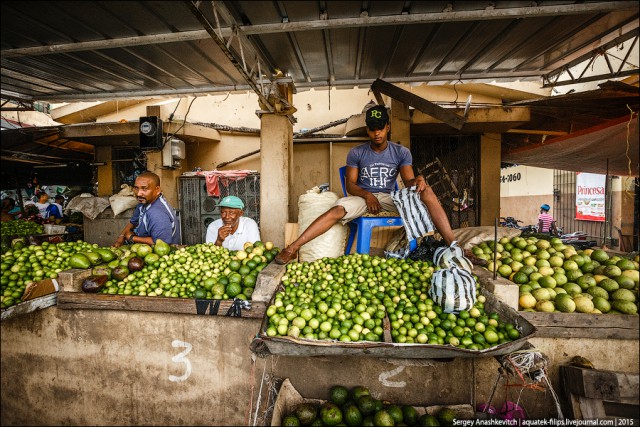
pixel 180 358
pixel 384 378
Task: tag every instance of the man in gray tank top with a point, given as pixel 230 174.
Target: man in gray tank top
pixel 372 170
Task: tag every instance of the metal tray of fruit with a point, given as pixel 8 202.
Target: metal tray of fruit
pixel 284 345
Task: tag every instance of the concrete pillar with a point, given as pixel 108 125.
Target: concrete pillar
pixel 489 178
pixel 105 173
pixel 168 177
pixel 276 164
pixel 400 123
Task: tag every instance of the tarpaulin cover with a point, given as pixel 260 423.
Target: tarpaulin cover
pixel 588 150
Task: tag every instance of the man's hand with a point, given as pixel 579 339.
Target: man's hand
pixel 373 205
pixel 224 232
pixel 420 184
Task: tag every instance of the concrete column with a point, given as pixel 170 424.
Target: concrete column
pixel 168 177
pixel 276 164
pixel 489 178
pixel 400 123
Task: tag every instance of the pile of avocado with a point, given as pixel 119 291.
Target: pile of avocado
pixel 357 407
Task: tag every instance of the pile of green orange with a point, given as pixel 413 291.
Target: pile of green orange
pixel 553 276
pixel 348 298
pixel 357 407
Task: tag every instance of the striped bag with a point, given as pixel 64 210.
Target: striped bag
pixel 447 256
pixel 453 289
pixel 414 214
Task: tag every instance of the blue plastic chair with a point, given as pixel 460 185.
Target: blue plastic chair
pixel 363 226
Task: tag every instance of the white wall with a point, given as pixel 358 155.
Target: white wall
pixel 522 190
pixel 525 181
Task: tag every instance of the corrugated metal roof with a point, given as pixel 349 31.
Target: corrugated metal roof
pixel 90 50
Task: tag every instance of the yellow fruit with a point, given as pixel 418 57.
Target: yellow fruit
pixel 545 306
pixel 241 255
pixel 268 246
pixel 583 304
pixel 526 301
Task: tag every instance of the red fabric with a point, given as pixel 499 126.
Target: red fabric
pixel 213 178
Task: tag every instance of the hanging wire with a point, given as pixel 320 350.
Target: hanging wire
pixel 168 138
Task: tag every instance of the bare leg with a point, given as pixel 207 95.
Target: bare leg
pixel 438 215
pixel 319 226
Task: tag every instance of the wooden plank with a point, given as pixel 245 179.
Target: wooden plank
pixel 584 325
pixel 591 408
pixel 600 384
pixel 427 107
pixel 81 300
pixel 29 306
pixel 583 320
pixel 596 333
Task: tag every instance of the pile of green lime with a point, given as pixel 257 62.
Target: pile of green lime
pixel 203 271
pixel 24 264
pixel 357 407
pixel 348 298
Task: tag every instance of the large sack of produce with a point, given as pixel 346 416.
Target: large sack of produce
pixel 470 236
pixel 330 244
pixel 453 289
pixel 123 200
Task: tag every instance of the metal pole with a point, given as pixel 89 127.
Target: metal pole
pixel 495 247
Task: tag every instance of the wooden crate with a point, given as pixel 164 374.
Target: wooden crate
pixel 290 346
pixel 288 398
pixel 37 296
pixel 599 394
pixel 71 297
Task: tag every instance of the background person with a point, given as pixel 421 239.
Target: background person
pixel 58 202
pixel 43 204
pixel 372 170
pixel 546 223
pixel 8 204
pixel 154 218
pixel 233 229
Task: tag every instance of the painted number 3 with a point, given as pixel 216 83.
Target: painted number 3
pixel 180 358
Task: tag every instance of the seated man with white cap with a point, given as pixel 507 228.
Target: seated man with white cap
pixel 233 229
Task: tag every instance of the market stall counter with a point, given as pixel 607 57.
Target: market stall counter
pixel 165 367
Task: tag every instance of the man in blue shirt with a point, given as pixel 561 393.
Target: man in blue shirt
pixel 372 169
pixel 153 218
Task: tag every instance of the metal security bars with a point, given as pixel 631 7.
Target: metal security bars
pixel 564 198
pixel 457 158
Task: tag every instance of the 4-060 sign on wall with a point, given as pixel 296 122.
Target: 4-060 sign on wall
pixel 590 196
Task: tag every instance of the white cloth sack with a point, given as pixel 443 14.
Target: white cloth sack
pixel 413 212
pixel 330 244
pixel 90 206
pixel 123 200
pixel 453 289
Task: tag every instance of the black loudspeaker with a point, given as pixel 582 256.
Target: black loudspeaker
pixel 150 133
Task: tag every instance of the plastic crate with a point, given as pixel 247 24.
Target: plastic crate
pixel 54 229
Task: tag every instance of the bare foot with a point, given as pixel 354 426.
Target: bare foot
pixel 285 256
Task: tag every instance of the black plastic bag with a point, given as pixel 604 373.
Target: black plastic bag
pixel 426 249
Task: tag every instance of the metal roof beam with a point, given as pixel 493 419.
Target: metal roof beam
pixel 135 94
pixel 552 79
pixel 369 21
pixel 216 35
